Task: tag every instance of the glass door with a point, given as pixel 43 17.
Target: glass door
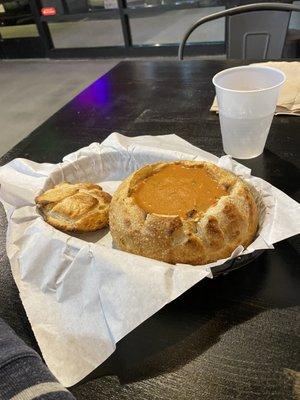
pixel 83 28
pixel 95 28
pixel 19 36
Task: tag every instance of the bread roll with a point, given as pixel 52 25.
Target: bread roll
pixel 80 207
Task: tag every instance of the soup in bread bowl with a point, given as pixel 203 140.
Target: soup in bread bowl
pixel 183 212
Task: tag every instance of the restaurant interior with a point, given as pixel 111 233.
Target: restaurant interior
pixel 149 199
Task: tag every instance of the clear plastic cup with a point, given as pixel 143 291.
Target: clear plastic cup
pixel 247 98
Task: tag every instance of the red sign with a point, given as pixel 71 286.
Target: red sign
pixel 46 11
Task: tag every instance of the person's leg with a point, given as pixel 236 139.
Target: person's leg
pixel 23 375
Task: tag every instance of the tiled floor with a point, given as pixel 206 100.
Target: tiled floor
pixel 31 91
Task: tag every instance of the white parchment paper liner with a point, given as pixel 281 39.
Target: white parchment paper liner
pixel 82 296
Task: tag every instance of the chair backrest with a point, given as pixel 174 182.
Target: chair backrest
pixel 249 34
pixel 257 35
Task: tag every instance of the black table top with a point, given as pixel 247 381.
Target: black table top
pixel 231 337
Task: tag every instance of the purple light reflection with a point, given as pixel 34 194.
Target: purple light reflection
pixel 99 93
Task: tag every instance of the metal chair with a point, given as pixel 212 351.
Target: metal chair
pixel 259 33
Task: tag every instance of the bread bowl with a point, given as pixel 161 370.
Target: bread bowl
pixel 183 212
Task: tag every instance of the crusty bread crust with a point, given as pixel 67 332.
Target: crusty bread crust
pixel 197 240
pixel 80 207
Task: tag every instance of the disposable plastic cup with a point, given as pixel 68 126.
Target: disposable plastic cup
pixel 247 98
